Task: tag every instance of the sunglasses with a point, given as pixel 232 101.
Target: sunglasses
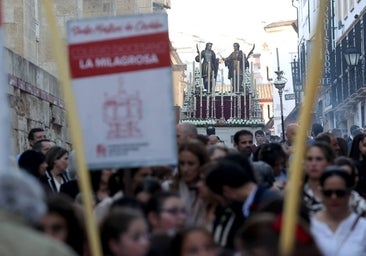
pixel 337 192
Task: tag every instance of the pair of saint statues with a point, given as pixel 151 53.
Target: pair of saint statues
pixel 236 62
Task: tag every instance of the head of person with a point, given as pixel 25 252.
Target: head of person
pixel 348 164
pixel 354 130
pixel 260 236
pixel 138 174
pixel 336 186
pixel 260 137
pixel 36 134
pixel 343 146
pixel 217 151
pixel 146 188
pixel 33 162
pixel 57 159
pixel 163 173
pixel 316 129
pixel 99 181
pixel 212 139
pixel 275 138
pixel 208 46
pixel 264 173
pixel 337 132
pixel 243 142
pixel 191 156
pixel 228 178
pixel 124 232
pixel 22 196
pixel 185 132
pixel 331 140
pixel 236 46
pixel 358 147
pixel 43 145
pixel 241 161
pixel 193 241
pixel 203 139
pixel 319 156
pixel 274 155
pixel 63 222
pixel 210 130
pixel 166 212
pixel 290 133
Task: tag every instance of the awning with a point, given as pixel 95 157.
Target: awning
pixel 292 116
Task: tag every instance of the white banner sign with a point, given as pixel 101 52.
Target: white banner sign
pixel 122 78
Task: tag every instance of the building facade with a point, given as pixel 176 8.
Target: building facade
pixel 279 52
pixel 342 99
pixel 34 95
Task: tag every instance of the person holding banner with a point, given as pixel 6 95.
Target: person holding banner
pixel 209 67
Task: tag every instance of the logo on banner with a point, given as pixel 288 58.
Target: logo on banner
pixel 122 112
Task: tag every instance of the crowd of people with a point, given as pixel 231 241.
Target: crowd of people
pixel 218 200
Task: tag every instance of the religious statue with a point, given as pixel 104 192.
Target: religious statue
pixel 236 68
pixel 209 66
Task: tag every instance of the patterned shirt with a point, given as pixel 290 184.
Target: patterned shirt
pixel 314 204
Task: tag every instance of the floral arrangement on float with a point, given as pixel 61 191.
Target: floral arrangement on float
pixel 231 122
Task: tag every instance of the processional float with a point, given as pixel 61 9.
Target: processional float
pixel 238 104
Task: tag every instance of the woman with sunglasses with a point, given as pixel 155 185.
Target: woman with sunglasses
pixel 336 229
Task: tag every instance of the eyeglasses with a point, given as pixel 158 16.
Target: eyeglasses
pixel 175 211
pixel 338 192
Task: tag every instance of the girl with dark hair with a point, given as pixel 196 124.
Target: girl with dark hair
pixel 63 222
pixel 336 229
pixel 358 154
pixel 166 213
pixel 274 155
pixel 146 188
pixel 34 163
pixel 193 241
pixel 124 232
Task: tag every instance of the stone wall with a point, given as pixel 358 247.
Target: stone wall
pixel 35 101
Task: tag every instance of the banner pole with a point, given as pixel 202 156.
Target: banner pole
pixel 292 198
pixel 60 54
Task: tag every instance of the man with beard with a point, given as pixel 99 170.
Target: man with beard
pixel 243 142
